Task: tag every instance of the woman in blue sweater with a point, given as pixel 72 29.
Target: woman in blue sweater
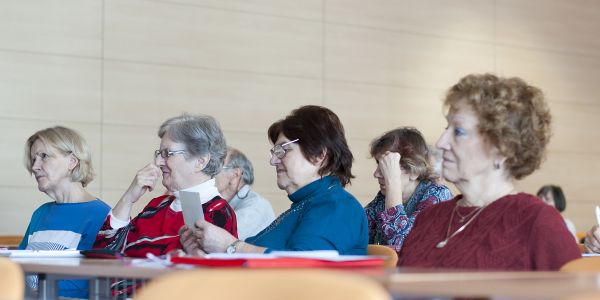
pixel 60 160
pixel 313 164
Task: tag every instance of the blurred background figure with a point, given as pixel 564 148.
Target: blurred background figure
pixel 253 212
pixel 553 195
pixel 61 161
pixel 406 186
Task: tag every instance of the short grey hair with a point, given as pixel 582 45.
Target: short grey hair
pixel 237 159
pixel 201 135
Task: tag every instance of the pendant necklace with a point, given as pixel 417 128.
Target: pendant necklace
pixel 443 243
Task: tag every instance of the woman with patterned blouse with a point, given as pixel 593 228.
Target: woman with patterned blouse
pixel 406 186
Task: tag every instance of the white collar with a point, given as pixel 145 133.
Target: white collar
pixel 207 191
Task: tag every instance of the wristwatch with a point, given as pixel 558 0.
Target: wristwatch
pixel 231 249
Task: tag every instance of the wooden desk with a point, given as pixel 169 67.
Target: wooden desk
pixel 99 272
pixel 493 285
pixel 402 283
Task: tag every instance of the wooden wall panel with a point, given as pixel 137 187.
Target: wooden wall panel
pixel 148 94
pixel 471 19
pixel 306 9
pixel 563 77
pixel 555 25
pixel 369 110
pixel 46 87
pixel 69 27
pixel 194 36
pixel 377 56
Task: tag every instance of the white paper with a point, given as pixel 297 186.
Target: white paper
pixel 40 253
pixel 191 207
pixel 598 215
pixel 319 254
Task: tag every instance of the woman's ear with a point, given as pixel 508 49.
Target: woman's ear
pixel 73 162
pixel 413 177
pixel 201 163
pixel 320 159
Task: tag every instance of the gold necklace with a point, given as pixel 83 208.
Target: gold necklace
pixel 443 243
pixel 462 217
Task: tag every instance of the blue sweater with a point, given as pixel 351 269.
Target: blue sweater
pixel 60 226
pixel 323 216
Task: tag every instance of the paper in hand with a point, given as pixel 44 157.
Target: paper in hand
pixel 191 208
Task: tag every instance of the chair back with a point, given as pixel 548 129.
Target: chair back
pixel 12 280
pixel 10 241
pixel 381 250
pixel 263 284
pixel 583 264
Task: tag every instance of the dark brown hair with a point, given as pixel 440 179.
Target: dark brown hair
pixel 557 193
pixel 319 130
pixel 409 142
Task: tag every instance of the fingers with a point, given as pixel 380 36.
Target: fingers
pixel 592 239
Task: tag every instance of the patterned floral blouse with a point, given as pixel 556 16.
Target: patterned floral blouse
pixel 391 226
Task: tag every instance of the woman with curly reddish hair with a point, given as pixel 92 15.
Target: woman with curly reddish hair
pixel 498 129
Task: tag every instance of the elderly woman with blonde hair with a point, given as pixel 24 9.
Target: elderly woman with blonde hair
pixel 60 159
pixel 497 133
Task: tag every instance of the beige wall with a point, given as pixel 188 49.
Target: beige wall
pixel 115 69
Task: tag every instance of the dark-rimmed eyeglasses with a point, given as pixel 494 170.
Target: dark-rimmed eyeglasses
pixel 279 151
pixel 166 153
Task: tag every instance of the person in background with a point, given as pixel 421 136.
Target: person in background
pixel 313 164
pixel 61 162
pixel 191 153
pixel 497 132
pixel 406 186
pixel 252 211
pixel 553 195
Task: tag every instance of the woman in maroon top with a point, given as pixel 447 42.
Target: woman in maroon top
pixel 192 151
pixel 498 129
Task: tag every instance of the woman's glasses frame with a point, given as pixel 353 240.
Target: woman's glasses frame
pixel 279 151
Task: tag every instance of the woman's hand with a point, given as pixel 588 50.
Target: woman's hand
pixel 145 180
pixel 592 240
pixel 205 237
pixel 389 166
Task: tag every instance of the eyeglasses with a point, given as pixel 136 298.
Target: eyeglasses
pixel 166 153
pixel 279 151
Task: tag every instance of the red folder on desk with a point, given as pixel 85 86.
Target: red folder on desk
pixel 281 262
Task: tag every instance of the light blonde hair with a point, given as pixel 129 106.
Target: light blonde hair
pixel 67 141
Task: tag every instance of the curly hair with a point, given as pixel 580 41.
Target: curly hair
pixel 409 142
pixel 513 116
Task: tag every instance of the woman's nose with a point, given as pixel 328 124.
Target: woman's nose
pixel 159 160
pixel 442 142
pixel 377 173
pixel 274 160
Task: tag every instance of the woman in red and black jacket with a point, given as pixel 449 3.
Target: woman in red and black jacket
pixel 192 151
